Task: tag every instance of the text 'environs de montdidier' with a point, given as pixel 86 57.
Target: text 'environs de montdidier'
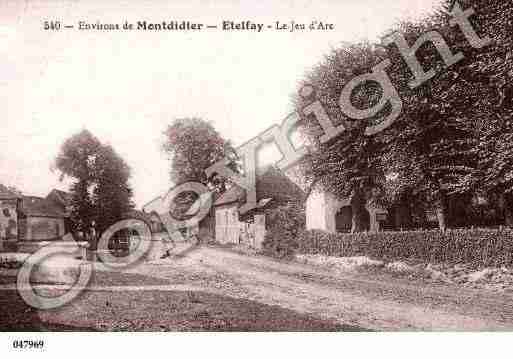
pixel 183 25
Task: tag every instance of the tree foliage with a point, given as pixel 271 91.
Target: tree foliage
pixel 494 65
pixel 100 190
pixel 112 193
pixel 350 165
pixel 193 145
pixel 76 160
pixel 433 146
pixel 454 135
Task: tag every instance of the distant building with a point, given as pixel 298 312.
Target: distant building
pixel 223 222
pixel 32 218
pixel 41 219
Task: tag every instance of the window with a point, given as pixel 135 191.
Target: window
pixel 6 213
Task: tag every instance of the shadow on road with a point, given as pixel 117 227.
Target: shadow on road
pixel 19 317
pixel 158 310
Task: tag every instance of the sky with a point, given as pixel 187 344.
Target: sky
pixel 125 87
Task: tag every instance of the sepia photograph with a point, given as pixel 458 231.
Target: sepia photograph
pixel 317 168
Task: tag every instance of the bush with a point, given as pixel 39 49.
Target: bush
pixel 284 224
pixel 478 247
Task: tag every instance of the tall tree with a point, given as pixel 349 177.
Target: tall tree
pixel 350 165
pixel 434 143
pixel 76 160
pixel 100 190
pixel 473 99
pixel 493 72
pixel 193 145
pixel 112 193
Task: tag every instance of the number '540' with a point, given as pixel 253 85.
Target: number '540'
pixel 52 25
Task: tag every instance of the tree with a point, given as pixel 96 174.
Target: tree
pixel 405 201
pixel 475 99
pixel 350 165
pixel 193 145
pixel 112 193
pixel 434 145
pixel 493 72
pixel 446 136
pixel 100 191
pixel 76 160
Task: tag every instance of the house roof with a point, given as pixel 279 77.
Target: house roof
pixel 32 206
pixel 231 195
pixel 64 198
pixel 273 184
pixel 5 193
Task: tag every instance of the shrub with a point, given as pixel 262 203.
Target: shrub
pixel 283 226
pixel 476 247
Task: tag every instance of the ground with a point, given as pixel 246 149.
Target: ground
pixel 211 288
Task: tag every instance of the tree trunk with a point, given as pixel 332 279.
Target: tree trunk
pixel 508 216
pixel 441 212
pixel 506 203
pixel 358 213
pixel 403 215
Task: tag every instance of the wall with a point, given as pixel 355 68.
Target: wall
pixel 322 207
pixel 8 219
pixel 227 224
pixel 40 228
pixel 229 230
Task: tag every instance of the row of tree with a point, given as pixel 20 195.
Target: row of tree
pixel 100 191
pixel 453 139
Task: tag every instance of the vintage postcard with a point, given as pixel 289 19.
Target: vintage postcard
pixel 236 166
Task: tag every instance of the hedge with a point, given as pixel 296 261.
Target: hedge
pixel 476 247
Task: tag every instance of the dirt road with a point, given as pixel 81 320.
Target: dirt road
pixel 210 288
pixel 371 301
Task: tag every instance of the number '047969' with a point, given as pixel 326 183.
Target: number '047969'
pixel 28 344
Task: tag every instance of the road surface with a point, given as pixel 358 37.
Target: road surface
pixel 371 301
